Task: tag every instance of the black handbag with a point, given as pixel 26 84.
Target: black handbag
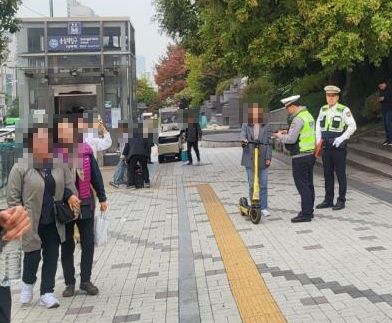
pixel 62 212
pixel 87 208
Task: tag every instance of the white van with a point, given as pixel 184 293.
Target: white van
pixel 170 135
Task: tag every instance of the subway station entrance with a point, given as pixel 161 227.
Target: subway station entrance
pixel 67 97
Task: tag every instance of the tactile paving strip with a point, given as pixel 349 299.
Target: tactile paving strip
pixel 255 302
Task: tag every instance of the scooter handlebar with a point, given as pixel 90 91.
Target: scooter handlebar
pixel 256 143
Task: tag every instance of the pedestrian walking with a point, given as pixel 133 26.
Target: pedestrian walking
pixel 136 151
pixel 256 130
pixel 119 173
pixel 385 98
pixel 86 174
pixel 38 187
pixel 193 135
pixel 300 141
pixel 335 125
pixel 14 222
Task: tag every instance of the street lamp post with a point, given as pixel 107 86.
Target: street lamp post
pixel 51 7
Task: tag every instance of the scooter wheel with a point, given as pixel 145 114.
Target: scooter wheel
pixel 244 202
pixel 255 215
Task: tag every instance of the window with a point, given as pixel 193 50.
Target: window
pixel 35 39
pixel 112 38
pixel 58 31
pixel 90 31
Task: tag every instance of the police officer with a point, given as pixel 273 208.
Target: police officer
pixel 300 141
pixel 335 125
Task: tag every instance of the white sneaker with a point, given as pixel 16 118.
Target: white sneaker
pixel 265 212
pixel 26 294
pixel 49 301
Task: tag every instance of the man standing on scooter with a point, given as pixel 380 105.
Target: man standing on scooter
pixel 300 141
pixel 255 130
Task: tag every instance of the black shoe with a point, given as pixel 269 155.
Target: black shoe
pixel 150 162
pixel 301 218
pixel 324 205
pixel 69 290
pixel 147 185
pixel 300 215
pixel 189 163
pixel 131 187
pixel 339 206
pixel 89 288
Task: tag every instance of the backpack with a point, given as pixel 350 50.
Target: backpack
pixel 139 178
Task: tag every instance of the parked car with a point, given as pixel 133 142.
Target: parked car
pixel 7 134
pixel 170 136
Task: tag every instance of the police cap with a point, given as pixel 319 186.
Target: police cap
pixel 332 89
pixel 290 100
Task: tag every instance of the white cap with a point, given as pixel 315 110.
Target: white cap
pixel 332 89
pixel 290 100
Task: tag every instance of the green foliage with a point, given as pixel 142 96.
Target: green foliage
pixel 180 20
pixel 310 83
pixel 300 44
pixel 145 93
pixel 313 102
pixel 371 110
pixel 13 109
pixel 261 90
pixel 8 23
pixel 201 81
pixel 223 85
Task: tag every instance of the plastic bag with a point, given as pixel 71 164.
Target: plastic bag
pixel 101 229
pixel 184 155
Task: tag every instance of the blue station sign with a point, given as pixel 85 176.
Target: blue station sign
pixel 73 43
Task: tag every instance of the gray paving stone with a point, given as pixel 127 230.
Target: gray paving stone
pixel 149 274
pixel 79 310
pixel 378 248
pixel 126 318
pixel 314 247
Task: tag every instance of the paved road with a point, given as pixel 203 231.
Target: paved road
pixel 171 249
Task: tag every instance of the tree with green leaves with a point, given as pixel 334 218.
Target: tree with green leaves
pixel 8 23
pixel 145 93
pixel 296 44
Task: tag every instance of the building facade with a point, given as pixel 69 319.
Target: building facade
pixel 64 63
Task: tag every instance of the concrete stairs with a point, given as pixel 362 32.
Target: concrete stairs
pixel 367 153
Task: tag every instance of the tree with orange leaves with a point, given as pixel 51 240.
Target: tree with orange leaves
pixel 171 73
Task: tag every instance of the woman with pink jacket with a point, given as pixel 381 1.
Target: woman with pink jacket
pixel 87 174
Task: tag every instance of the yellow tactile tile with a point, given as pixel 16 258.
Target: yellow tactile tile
pixel 255 302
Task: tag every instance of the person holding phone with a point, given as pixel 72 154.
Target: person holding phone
pixel 385 99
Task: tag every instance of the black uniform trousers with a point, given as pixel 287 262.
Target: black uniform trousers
pixel 195 146
pixel 303 178
pixel 5 304
pixel 334 161
pixel 86 231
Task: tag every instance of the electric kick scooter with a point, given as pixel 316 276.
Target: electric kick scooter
pixel 253 210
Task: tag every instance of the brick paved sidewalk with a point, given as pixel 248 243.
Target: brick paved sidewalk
pixel 163 262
